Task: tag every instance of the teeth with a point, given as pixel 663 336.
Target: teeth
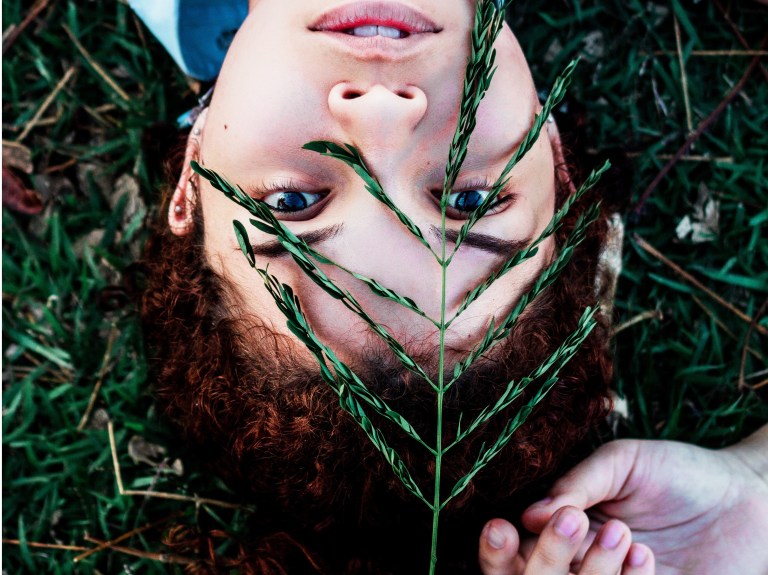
pixel 389 32
pixel 370 31
pixel 365 31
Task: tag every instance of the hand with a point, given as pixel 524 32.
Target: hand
pixel 611 553
pixel 701 511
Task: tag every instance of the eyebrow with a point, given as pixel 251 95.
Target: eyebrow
pixel 486 243
pixel 274 249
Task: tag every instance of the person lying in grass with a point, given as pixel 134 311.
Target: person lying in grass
pixel 386 78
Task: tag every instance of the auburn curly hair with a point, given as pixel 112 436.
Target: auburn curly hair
pixel 328 502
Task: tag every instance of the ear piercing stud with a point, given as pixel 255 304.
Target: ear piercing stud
pixel 178 210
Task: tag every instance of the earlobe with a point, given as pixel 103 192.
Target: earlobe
pixel 185 196
pixel 562 172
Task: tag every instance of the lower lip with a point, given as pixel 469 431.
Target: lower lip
pixel 376 47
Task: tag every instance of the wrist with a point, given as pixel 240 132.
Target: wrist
pixel 752 452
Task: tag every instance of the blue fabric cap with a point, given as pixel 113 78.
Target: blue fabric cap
pixel 196 33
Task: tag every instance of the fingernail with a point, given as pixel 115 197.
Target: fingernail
pixel 611 535
pixel 567 524
pixel 637 556
pixel 496 538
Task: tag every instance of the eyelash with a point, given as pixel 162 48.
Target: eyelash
pixel 479 185
pixel 290 187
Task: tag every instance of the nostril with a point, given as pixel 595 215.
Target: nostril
pixel 405 94
pixel 351 94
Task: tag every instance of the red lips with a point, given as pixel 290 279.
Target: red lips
pixel 389 14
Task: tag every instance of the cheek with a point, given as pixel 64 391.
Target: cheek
pixel 498 300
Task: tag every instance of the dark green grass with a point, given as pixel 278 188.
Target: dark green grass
pixel 680 374
pixel 63 300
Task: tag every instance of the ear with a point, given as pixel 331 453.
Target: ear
pixel 562 173
pixel 184 197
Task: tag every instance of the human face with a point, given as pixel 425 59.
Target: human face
pixel 291 77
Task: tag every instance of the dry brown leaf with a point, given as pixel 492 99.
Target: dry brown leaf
pixel 17 156
pixel 19 198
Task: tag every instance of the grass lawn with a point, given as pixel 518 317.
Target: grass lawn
pixel 89 101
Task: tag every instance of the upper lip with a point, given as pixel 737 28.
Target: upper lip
pixel 389 14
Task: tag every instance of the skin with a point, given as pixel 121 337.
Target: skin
pixel 565 538
pixel 402 121
pixel 399 109
pixel 701 511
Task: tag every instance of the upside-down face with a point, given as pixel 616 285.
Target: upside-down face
pixel 385 77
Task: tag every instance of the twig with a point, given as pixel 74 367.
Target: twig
pixel 160 557
pixel 13 35
pixel 95 65
pixel 61 167
pixel 46 545
pixel 699 158
pixel 157 494
pixel 50 120
pixel 700 129
pixel 12 144
pixel 724 327
pixel 646 315
pixel 760 373
pixel 738 34
pixel 47 102
pixel 100 378
pixel 692 280
pixel 111 543
pixel 688 158
pixel 759 385
pixel 752 325
pixel 712 53
pixel 683 76
pixel 7 32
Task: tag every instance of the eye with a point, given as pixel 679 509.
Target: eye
pixel 463 202
pixel 294 205
pixel 288 201
pixel 468 200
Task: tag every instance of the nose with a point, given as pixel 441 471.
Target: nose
pixel 376 116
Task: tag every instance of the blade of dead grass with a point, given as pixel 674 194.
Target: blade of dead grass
pixel 33 13
pixel 100 378
pixel 46 103
pixel 693 281
pixel 158 494
pixel 95 65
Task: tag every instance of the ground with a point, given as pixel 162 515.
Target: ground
pixel 89 101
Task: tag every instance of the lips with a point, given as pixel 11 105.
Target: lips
pixel 387 20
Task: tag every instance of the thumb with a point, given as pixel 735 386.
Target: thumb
pixel 499 546
pixel 603 476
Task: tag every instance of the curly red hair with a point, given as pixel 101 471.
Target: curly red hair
pixel 271 427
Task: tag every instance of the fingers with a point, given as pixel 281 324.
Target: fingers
pixel 499 544
pixel 601 477
pixel 607 553
pixel 558 543
pixel 553 553
pixel 639 561
pixel 611 552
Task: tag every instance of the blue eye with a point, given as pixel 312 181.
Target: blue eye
pixel 467 201
pixel 290 202
pixel 462 203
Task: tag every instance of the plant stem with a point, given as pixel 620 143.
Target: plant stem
pixel 440 389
